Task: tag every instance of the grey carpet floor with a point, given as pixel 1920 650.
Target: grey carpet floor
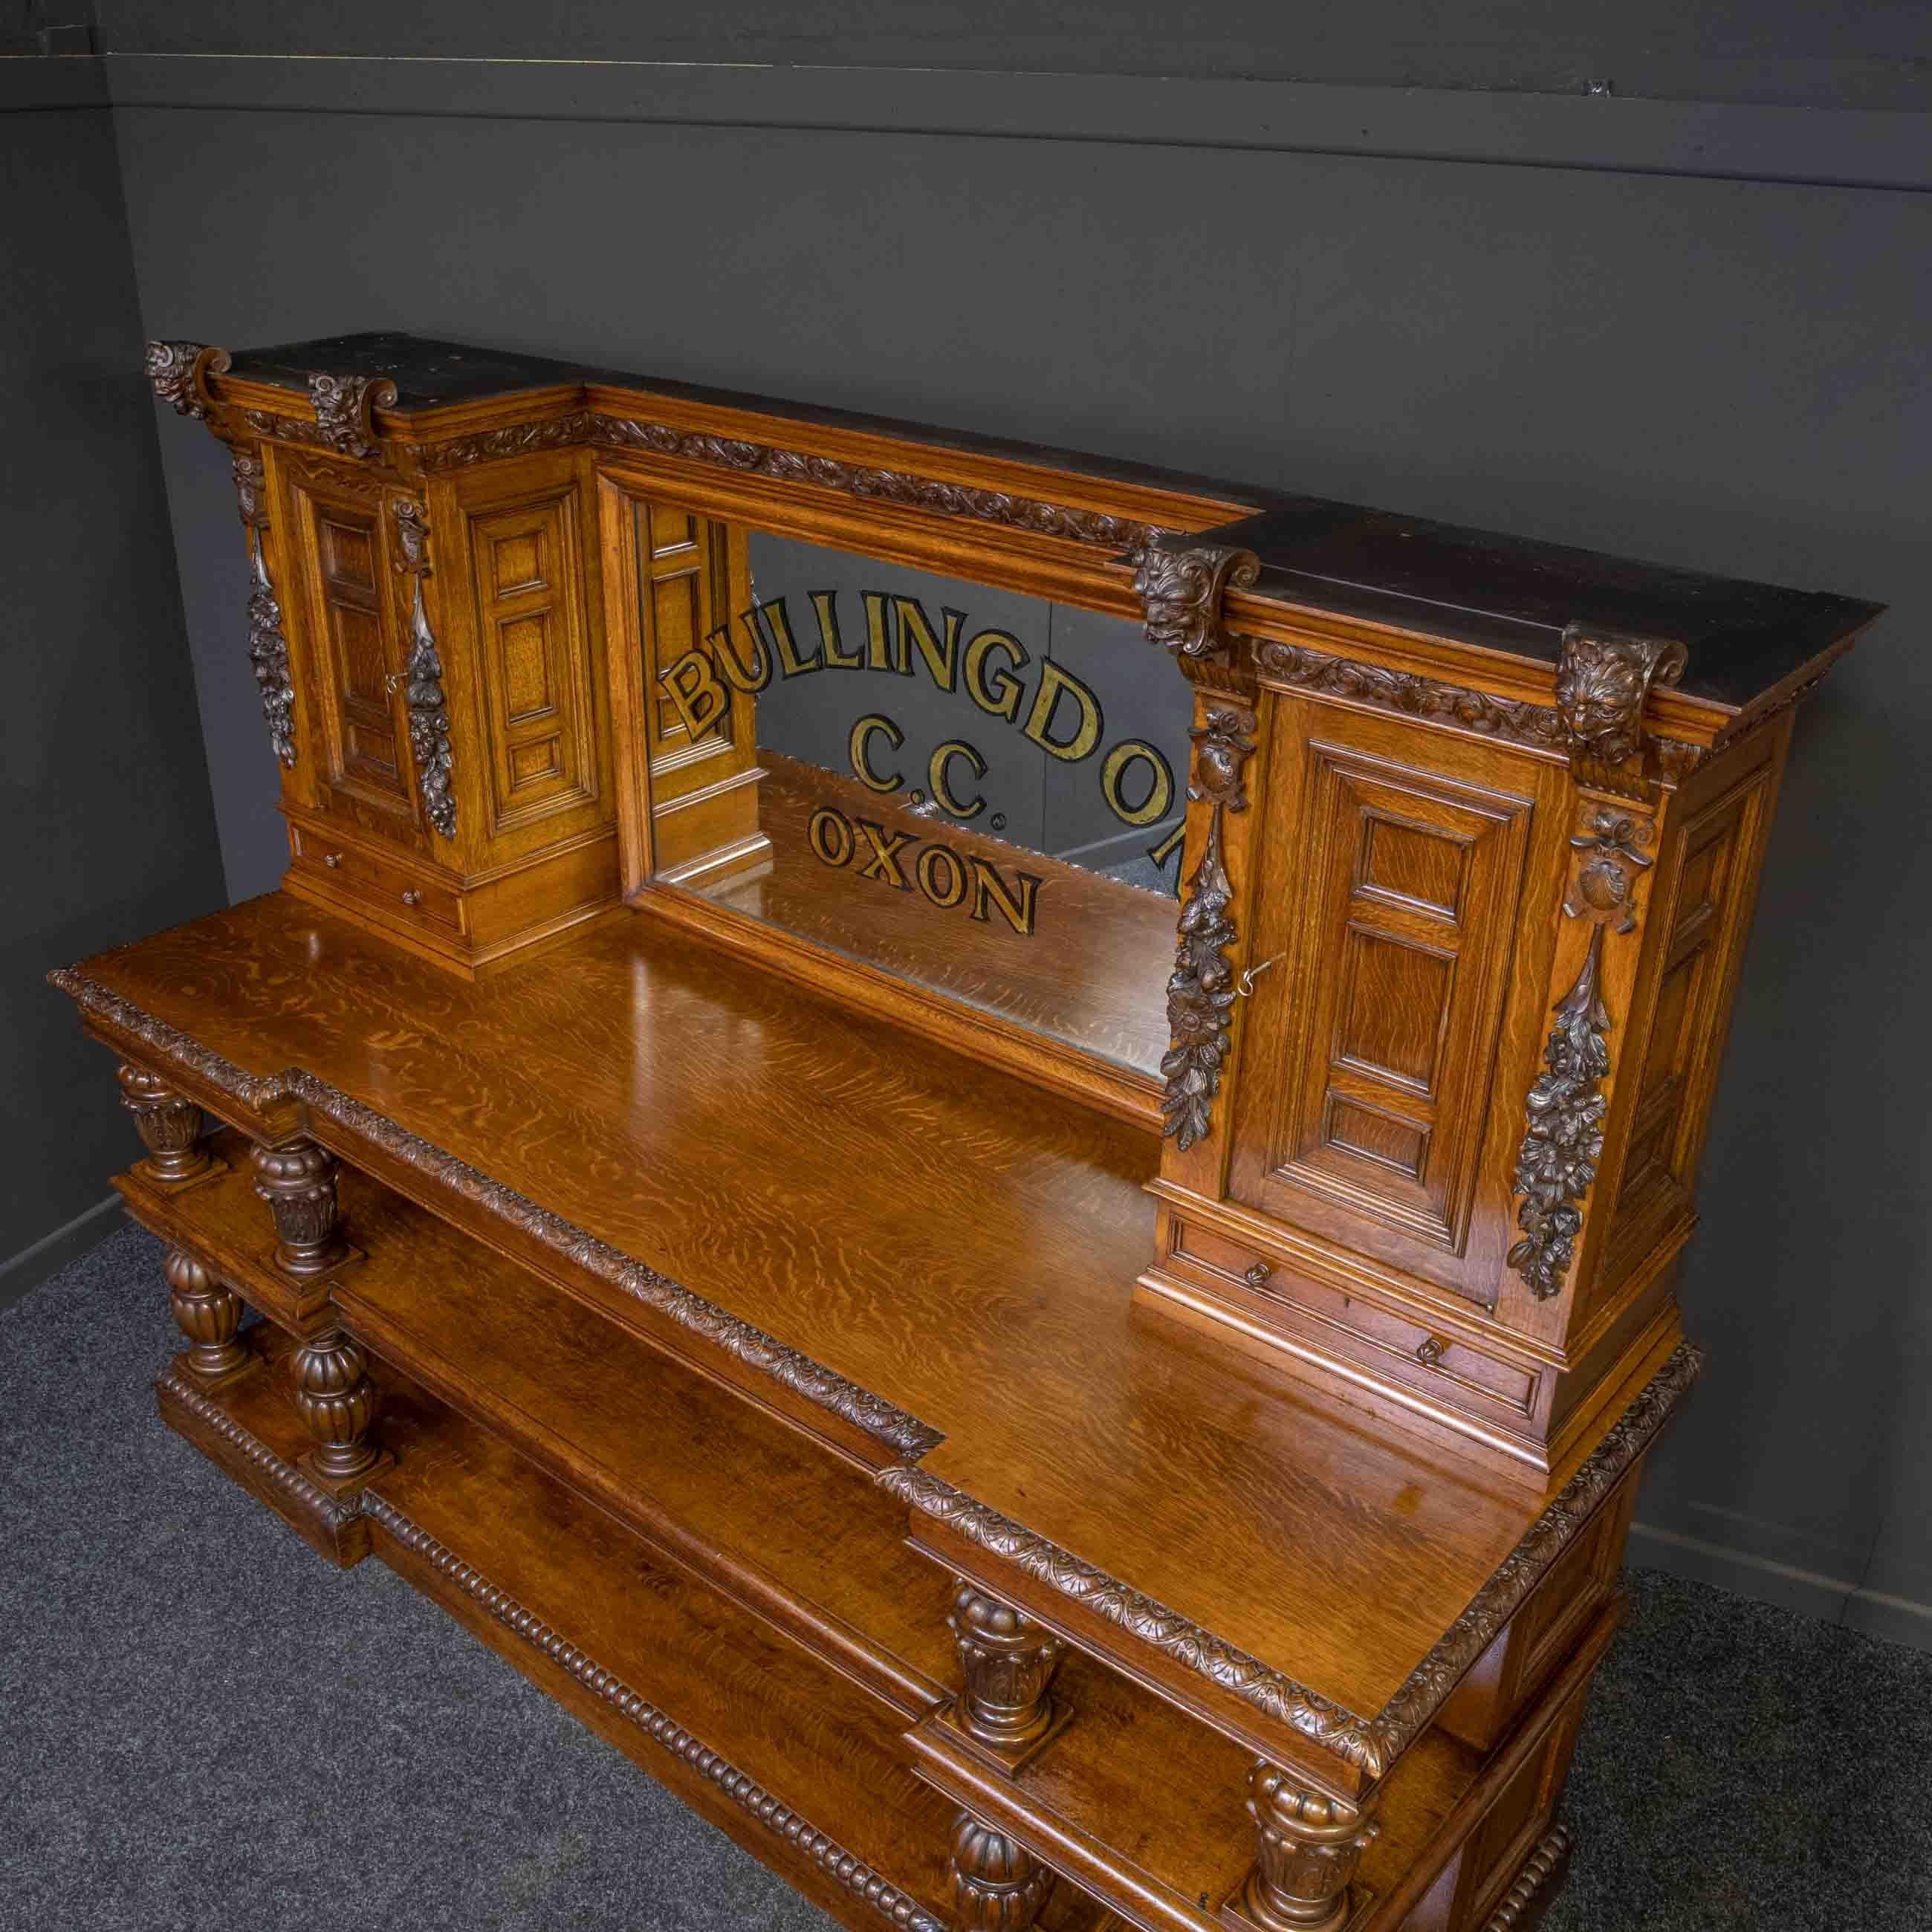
pixel 202 1727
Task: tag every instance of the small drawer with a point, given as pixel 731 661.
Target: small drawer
pixel 1385 1340
pixel 377 882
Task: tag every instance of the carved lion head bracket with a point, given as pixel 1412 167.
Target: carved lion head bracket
pixel 1180 592
pixel 1603 679
pixel 180 371
pixel 345 408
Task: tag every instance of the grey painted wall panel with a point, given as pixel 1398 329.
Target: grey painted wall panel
pixel 1863 55
pixel 1711 373
pixel 110 830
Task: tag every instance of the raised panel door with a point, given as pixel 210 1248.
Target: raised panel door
pixel 537 683
pixel 356 649
pixel 1392 907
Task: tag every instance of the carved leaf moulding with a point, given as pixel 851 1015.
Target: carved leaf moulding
pixel 847 1868
pixel 902 487
pixel 1370 1745
pixel 1537 727
pixel 823 1387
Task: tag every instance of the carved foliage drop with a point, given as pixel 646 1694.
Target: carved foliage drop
pixel 1180 592
pixel 1201 990
pixel 1563 1142
pixel 423 692
pixel 1557 1162
pixel 345 408
pixel 268 648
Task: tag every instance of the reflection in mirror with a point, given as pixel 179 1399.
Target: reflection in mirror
pixel 975 791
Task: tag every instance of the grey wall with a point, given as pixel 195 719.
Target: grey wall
pixel 104 794
pixel 1654 327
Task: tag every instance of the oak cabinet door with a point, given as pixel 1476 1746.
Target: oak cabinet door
pixel 1401 895
pixel 356 651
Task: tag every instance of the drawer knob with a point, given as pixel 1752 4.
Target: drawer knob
pixel 1257 1276
pixel 413 897
pixel 1429 1350
pixel 331 859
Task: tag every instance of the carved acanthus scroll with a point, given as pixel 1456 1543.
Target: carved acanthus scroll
pixel 1180 592
pixel 1603 679
pixel 423 692
pixel 180 371
pixel 345 407
pixel 1201 991
pixel 1556 1164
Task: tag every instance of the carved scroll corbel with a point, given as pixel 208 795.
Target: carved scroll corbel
pixel 422 691
pixel 180 371
pixel 345 407
pixel 1603 679
pixel 1556 1164
pixel 1201 991
pixel 1181 591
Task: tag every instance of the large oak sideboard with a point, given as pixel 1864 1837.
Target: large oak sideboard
pixel 988 1150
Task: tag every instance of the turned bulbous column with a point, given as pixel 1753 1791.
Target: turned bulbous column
pixel 169 1123
pixel 997 1885
pixel 207 1314
pixel 1307 1847
pixel 1007 1664
pixel 298 1181
pixel 337 1402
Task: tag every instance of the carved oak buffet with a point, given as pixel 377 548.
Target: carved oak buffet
pixel 1023 1401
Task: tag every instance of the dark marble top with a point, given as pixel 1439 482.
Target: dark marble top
pixel 1505 593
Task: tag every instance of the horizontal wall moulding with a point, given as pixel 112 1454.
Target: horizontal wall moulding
pixel 1842 147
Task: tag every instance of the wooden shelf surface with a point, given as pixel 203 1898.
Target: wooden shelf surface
pixel 941 1234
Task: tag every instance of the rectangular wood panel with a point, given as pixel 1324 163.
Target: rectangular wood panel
pixel 1411 880
pixel 1705 920
pixel 1396 908
pixel 536 655
pixel 680 581
pixel 349 547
